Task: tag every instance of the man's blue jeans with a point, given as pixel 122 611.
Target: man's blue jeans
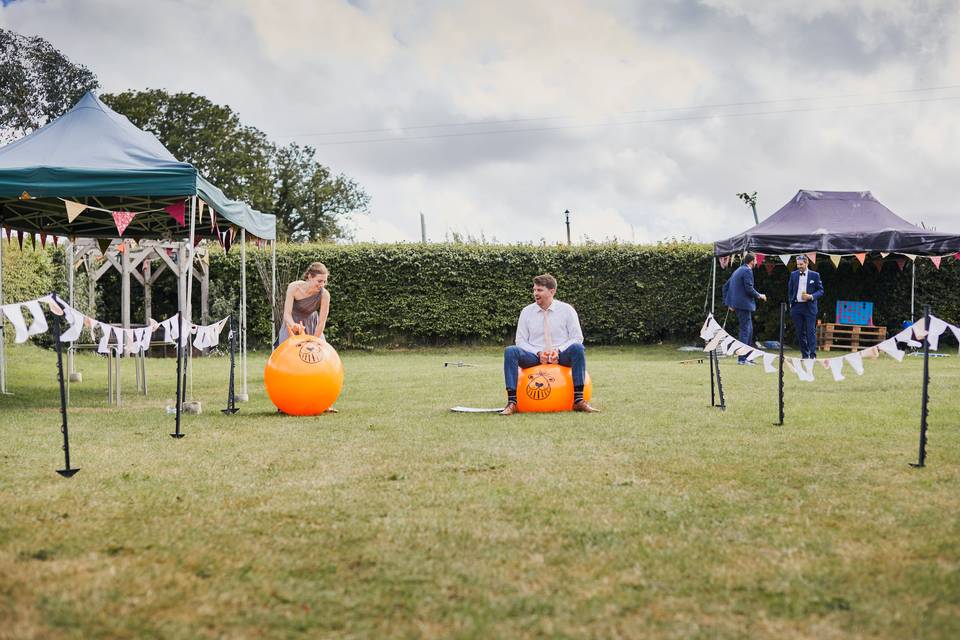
pixel 515 358
pixel 745 320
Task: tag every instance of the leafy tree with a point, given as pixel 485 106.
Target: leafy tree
pixel 39 84
pixel 310 201
pixel 233 156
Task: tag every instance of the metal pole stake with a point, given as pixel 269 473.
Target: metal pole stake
pixel 231 405
pixel 66 472
pixel 924 396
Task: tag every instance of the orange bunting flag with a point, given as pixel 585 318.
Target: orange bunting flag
pixel 813 257
pixel 122 247
pixel 73 209
pixel 936 261
pixel 122 219
pixel 861 257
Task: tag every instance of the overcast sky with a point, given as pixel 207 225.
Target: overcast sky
pixel 643 118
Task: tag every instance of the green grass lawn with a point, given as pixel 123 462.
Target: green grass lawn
pixel 660 517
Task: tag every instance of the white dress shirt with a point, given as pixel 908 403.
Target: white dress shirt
pixel 802 286
pixel 564 327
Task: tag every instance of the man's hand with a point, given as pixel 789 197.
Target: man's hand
pixel 544 357
pixel 807 297
pixel 763 297
pixel 553 357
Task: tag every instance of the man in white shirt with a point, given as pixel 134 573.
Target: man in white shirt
pixel 548 332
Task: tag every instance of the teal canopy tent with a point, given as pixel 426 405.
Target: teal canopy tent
pixel 96 157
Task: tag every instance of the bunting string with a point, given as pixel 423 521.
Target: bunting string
pixel 716 337
pixel 128 341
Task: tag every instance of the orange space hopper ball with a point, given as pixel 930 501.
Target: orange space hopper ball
pixel 304 376
pixel 549 387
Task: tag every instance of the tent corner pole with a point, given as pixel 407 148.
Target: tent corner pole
pixel 273 291
pixel 188 320
pixel 3 355
pixel 243 310
pixel 713 288
pixel 913 289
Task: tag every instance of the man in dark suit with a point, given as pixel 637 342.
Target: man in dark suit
pixel 803 291
pixel 740 296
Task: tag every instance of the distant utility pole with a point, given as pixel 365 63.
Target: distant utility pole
pixel 567 213
pixel 750 199
pixel 423 228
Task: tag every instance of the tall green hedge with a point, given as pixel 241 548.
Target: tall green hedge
pixel 413 294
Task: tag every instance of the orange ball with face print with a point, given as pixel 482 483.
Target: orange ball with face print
pixel 303 376
pixel 549 387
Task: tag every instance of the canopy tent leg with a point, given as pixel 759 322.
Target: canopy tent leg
pixel 191 250
pixel 713 288
pixel 913 290
pixel 70 253
pixel 3 355
pixel 273 292
pixel 242 320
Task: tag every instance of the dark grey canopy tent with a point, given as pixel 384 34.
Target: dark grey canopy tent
pixel 836 223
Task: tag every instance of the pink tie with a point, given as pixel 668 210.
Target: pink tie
pixel 547 340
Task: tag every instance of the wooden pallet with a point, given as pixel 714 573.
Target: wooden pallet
pixel 853 337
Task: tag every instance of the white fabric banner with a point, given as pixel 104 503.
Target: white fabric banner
pixel 889 347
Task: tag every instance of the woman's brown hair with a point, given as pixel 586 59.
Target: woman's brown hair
pixel 315 269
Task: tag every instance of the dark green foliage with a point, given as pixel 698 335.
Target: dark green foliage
pixel 39 84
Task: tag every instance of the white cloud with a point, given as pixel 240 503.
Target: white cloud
pixel 302 67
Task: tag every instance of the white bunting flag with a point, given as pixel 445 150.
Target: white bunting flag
pixel 715 341
pixel 855 360
pixel 836 366
pixel 39 324
pixel 104 346
pixel 15 315
pixel 753 355
pixel 75 320
pixel 725 344
pixel 786 259
pixel 906 336
pixel 937 327
pixel 808 368
pixel 889 346
pixel 768 359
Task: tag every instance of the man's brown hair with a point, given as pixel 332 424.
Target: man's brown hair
pixel 546 280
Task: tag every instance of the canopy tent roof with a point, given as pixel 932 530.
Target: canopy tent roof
pixel 95 156
pixel 838 223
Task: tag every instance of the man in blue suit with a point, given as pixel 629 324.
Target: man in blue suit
pixel 803 291
pixel 740 296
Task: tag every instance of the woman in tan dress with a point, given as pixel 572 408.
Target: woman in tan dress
pixel 307 304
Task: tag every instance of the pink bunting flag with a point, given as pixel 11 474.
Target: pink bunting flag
pixel 901 262
pixel 956 256
pixel 936 261
pixel 43 240
pixel 861 257
pixel 176 211
pixel 813 257
pixel 56 239
pixel 769 266
pixel 760 259
pixel 122 219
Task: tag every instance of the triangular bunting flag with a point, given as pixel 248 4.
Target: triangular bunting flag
pixel 770 266
pixel 901 262
pixel 176 211
pixel 861 257
pixel 9 231
pixel 20 239
pixel 878 263
pixel 911 256
pixel 813 257
pixel 936 261
pixel 122 219
pixel 884 254
pixel 760 259
pixel 73 209
pixel 786 259
pixel 43 240
pixel 855 360
pixel 33 239
pixel 104 244
pixel 56 240
pixel 835 260
pixel 724 260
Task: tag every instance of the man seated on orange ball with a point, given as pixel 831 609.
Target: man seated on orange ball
pixel 548 332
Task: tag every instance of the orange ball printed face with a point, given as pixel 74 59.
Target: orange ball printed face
pixel 304 376
pixel 549 388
